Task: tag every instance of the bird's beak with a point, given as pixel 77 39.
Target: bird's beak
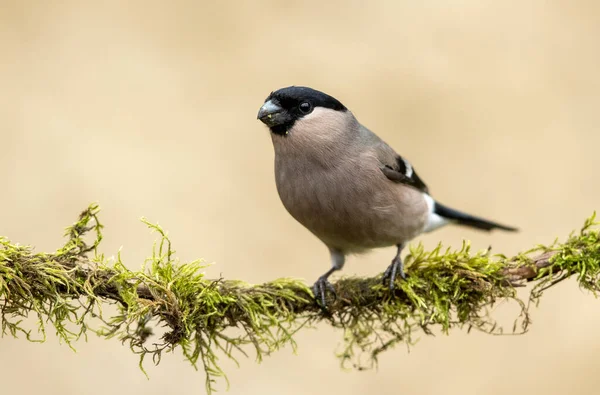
pixel 268 113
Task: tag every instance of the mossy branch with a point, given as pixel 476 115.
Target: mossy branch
pixel 205 318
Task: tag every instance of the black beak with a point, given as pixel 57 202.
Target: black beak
pixel 268 113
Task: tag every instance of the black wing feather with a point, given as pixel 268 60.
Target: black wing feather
pixel 402 172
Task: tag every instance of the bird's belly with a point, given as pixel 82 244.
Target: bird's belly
pixel 353 212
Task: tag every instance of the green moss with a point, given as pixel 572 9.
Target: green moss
pixel 206 318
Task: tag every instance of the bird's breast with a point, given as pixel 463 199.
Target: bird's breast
pixel 350 206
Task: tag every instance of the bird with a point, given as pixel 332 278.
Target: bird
pixel 346 185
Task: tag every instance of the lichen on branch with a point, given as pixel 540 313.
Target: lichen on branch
pixel 206 318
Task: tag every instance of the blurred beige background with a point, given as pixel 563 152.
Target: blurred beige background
pixel 150 109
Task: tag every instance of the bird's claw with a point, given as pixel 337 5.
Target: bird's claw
pixel 320 288
pixel 393 270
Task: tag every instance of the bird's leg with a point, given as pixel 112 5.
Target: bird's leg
pixel 395 269
pixel 322 285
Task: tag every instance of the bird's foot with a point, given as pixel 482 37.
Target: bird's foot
pixel 393 270
pixel 320 288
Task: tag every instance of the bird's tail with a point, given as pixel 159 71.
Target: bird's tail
pixel 468 220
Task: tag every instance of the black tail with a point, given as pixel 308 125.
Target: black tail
pixel 469 220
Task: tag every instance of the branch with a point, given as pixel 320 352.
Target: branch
pixel 205 318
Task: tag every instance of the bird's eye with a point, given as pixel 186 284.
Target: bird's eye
pixel 305 107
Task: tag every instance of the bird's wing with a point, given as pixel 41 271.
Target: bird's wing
pixel 398 169
pixel 403 172
pixel 393 166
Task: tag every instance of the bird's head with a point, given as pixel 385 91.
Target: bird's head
pixel 284 108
